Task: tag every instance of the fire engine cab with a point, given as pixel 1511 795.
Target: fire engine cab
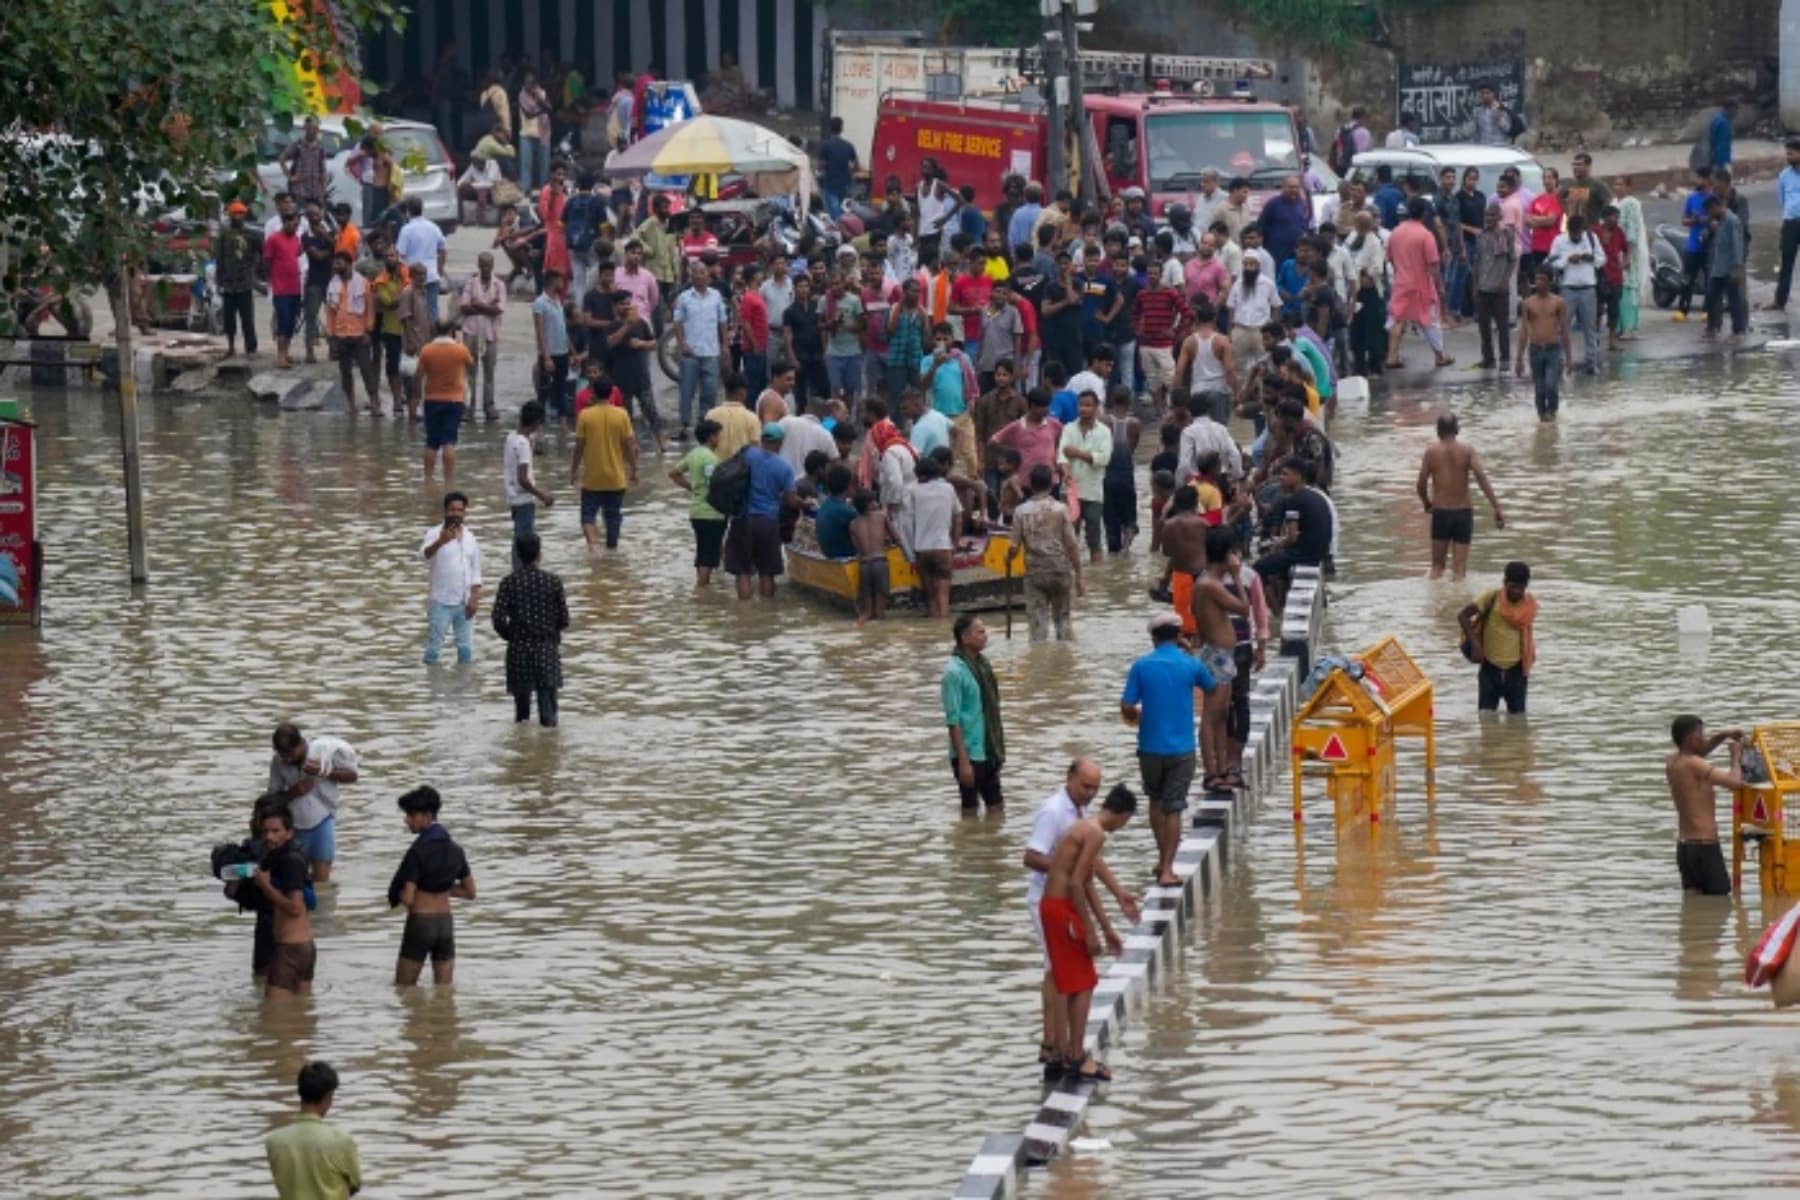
pixel 1159 139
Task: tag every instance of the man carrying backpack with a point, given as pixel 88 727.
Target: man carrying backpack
pixel 1353 137
pixel 753 541
pixel 581 226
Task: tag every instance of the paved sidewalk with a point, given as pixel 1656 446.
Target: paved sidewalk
pixel 1667 163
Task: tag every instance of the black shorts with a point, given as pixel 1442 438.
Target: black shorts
pixel 753 547
pixel 428 936
pixel 985 790
pixel 1702 867
pixel 709 542
pixel 1453 525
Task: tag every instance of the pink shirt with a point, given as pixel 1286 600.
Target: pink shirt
pixel 1034 445
pixel 1414 253
pixel 1205 277
pixel 640 285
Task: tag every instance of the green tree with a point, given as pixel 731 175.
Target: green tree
pixel 112 111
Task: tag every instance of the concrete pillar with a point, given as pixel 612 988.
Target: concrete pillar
pixel 749 57
pixel 712 34
pixel 640 36
pixel 784 52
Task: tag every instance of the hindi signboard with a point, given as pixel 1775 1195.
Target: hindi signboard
pixel 19 561
pixel 1444 94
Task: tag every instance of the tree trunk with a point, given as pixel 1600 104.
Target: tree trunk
pixel 128 426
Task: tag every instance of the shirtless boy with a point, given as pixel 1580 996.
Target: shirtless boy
pixel 1070 912
pixel 282 878
pixel 1547 337
pixel 1692 780
pixel 1217 597
pixel 1444 491
pixel 870 534
pixel 433 870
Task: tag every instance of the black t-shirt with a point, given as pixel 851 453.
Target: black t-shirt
pixel 1470 208
pixel 287 868
pixel 1120 330
pixel 319 249
pixel 598 306
pixel 1165 460
pixel 1315 525
pixel 802 321
pixel 631 368
pixel 1060 328
pixel 433 863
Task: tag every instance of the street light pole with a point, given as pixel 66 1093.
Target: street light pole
pixel 1056 170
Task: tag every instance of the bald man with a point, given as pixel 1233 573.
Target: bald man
pixel 1054 819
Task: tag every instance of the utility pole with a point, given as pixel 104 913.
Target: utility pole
pixel 1056 168
pixel 128 425
pixel 1084 129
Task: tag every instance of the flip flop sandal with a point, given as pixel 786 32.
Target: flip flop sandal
pixel 1047 1053
pixel 1078 1071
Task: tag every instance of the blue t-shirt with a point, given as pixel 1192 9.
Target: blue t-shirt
pixel 770 476
pixel 1163 683
pixel 973 224
pixel 1065 406
pixel 930 431
pixel 838 157
pixel 1018 229
pixel 1389 199
pixel 1289 281
pixel 946 386
pixel 832 526
pixel 1696 207
pixel 1097 292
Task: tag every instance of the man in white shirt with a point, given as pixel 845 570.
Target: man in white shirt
pixel 1204 436
pixel 777 293
pixel 482 305
pixel 519 473
pixel 1252 302
pixel 454 561
pixel 1210 203
pixel 1055 817
pixel 421 241
pixel 308 774
pixel 801 435
pixel 1579 256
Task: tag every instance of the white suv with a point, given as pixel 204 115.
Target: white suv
pixel 435 185
pixel 1424 162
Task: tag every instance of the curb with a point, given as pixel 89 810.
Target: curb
pixel 1152 946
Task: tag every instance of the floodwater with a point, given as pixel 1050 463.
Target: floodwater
pixel 733 937
pixel 1506 994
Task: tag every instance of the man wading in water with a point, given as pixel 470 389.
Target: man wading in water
pixel 971 697
pixel 1498 632
pixel 1692 780
pixel 1074 924
pixel 433 870
pixel 1444 491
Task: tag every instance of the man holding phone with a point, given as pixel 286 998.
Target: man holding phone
pixel 1305 532
pixel 454 561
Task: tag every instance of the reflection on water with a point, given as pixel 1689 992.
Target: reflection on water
pixel 734 937
pixel 1506 992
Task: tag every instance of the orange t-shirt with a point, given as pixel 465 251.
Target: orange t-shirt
pixel 445 363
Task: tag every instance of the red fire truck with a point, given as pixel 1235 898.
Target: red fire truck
pixel 1159 141
pixel 1158 119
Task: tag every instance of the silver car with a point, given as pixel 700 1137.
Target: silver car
pixel 411 141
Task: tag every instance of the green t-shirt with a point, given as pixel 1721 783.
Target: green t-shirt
pixel 845 343
pixel 961 696
pixel 698 468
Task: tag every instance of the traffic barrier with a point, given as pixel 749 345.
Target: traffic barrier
pixel 1759 813
pixel 1152 945
pixel 1349 725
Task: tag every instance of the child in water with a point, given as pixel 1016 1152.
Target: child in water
pixel 870 534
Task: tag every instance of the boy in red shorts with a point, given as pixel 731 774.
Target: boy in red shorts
pixel 1070 912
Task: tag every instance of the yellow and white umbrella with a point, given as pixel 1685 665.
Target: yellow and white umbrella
pixel 708 145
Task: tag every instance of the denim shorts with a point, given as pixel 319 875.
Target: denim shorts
pixel 320 842
pixel 287 315
pixel 443 422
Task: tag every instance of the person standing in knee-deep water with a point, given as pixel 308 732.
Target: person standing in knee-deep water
pixel 530 614
pixel 1443 486
pixel 1692 780
pixel 1498 628
pixel 282 879
pixel 305 774
pixel 433 870
pixel 1045 537
pixel 1546 336
pixel 971 699
pixel 1075 925
pixel 310 1159
pixel 454 562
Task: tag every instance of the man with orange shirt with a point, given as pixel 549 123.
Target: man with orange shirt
pixel 349 327
pixel 444 366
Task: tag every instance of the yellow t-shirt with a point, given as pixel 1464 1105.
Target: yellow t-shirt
pixel 997 270
pixel 604 432
pixel 1502 644
pixel 738 427
pixel 1211 499
pixel 1312 401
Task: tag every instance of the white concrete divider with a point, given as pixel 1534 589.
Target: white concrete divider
pixel 1152 946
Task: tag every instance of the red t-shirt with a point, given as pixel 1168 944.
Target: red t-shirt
pixel 1612 240
pixel 281 253
pixel 972 291
pixel 1028 317
pixel 585 397
pixel 876 302
pixel 1155 315
pixel 753 315
pixel 1544 204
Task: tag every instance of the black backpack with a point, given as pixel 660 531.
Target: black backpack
pixel 581 220
pixel 729 489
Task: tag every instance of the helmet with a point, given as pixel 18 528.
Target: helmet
pixel 1178 215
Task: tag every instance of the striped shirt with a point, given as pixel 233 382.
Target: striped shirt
pixel 1155 313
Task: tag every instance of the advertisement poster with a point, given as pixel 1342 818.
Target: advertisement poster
pixel 18 522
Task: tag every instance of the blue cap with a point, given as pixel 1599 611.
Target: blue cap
pixel 773 432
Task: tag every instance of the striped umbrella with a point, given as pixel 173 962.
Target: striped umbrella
pixel 709 145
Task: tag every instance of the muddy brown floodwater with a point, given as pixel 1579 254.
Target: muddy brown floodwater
pixel 733 938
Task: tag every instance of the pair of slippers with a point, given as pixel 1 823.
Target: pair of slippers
pixel 1087 1070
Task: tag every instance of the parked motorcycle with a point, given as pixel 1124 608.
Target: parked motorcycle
pixel 1666 264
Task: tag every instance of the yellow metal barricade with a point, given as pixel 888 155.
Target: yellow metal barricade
pixel 1349 726
pixel 1759 812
